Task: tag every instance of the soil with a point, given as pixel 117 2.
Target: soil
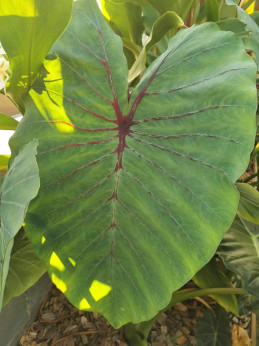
pixel 59 323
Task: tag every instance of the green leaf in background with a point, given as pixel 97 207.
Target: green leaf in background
pixel 169 20
pixel 248 303
pixel 125 19
pixel 18 187
pixel 249 202
pixel 123 217
pixel 150 15
pixel 7 122
pixel 239 251
pixel 226 12
pixel 25 268
pixel 212 10
pixel 234 25
pixel 165 5
pixel 211 276
pixel 135 2
pixel 181 7
pixel 138 67
pixel 213 329
pixel 28 30
pixel 252 42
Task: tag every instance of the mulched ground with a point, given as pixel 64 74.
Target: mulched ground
pixel 59 323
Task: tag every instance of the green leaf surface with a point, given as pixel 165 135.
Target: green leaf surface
pixel 123 217
pixel 125 19
pixel 138 67
pixel 248 303
pixel 234 25
pixel 18 187
pixel 181 7
pixel 166 5
pixel 28 30
pixel 249 202
pixel 239 250
pixel 135 2
pixel 150 16
pixel 252 42
pixel 169 20
pixel 212 10
pixel 25 268
pixel 211 276
pixel 213 329
pixel 7 122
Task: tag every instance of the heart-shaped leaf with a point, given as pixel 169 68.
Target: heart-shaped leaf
pixel 213 329
pixel 135 192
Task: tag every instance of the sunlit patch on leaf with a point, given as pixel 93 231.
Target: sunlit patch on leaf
pixel 73 262
pixel 56 262
pixel 43 239
pixel 59 283
pixel 54 98
pixel 99 290
pixel 101 5
pixel 84 304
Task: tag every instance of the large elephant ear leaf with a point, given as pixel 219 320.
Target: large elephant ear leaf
pixel 136 194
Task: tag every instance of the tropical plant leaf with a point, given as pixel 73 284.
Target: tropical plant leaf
pixel 213 329
pixel 18 187
pixel 7 122
pixel 212 10
pixel 239 250
pixel 234 25
pixel 135 2
pixel 125 19
pixel 169 20
pixel 28 30
pixel 150 16
pixel 138 67
pixel 25 268
pixel 181 7
pixel 212 276
pixel 124 217
pixel 252 42
pixel 248 303
pixel 166 22
pixel 249 203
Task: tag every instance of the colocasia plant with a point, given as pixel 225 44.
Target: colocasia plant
pixel 138 140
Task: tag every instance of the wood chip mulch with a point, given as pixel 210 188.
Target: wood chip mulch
pixel 60 323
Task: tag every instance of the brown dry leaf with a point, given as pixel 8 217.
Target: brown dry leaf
pixel 240 336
